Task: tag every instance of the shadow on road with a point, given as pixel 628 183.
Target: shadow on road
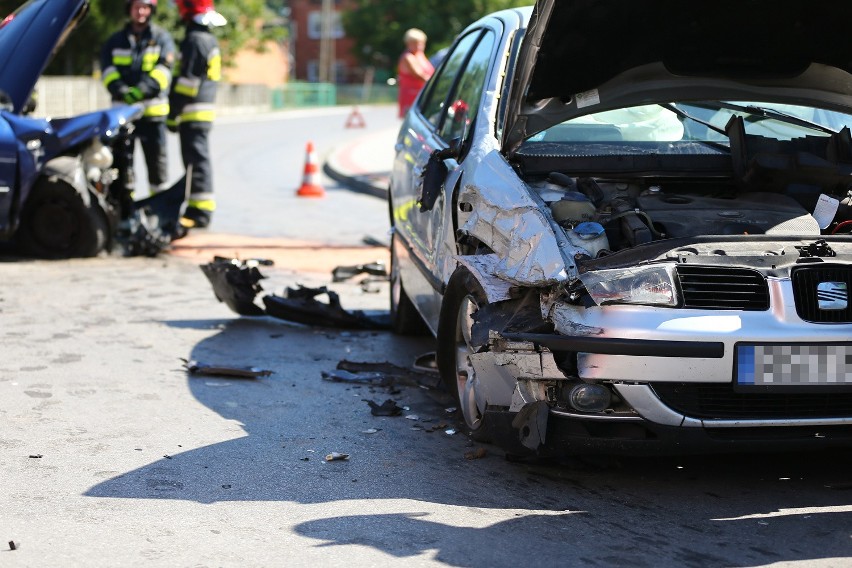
pixel 426 498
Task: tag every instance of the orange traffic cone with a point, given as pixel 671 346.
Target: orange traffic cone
pixel 310 186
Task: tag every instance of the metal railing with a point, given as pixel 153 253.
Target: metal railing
pixel 69 96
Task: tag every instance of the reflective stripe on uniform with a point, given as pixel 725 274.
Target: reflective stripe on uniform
pixel 156 107
pixel 188 87
pixel 110 74
pixel 198 116
pixel 150 57
pixel 202 204
pixel 122 56
pixel 199 112
pixel 214 65
pixel 161 75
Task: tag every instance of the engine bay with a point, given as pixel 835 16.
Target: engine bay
pixel 608 216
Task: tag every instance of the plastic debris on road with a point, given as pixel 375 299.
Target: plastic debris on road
pixel 335 456
pixel 197 368
pixel 342 273
pixel 387 408
pixel 235 282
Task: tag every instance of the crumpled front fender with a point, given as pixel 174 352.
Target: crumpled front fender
pixel 496 208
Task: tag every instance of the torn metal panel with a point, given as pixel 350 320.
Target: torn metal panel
pixel 483 268
pixel 531 424
pixel 531 365
pixel 522 314
pixel 504 216
pixel 496 382
pixel 527 392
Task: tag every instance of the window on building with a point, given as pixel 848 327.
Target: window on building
pixel 315 25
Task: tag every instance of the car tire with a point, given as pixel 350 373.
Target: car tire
pixel 463 297
pixel 405 319
pixel 56 223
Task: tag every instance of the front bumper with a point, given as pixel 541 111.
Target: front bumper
pixel 571 435
pixel 660 363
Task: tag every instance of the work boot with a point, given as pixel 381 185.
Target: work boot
pixel 198 218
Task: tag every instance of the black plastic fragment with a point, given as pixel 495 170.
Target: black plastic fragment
pixel 154 222
pixel 197 368
pixel 301 306
pixel 387 408
pixel 341 273
pixel 235 283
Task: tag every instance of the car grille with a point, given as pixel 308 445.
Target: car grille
pixel 805 282
pixel 720 401
pixel 719 288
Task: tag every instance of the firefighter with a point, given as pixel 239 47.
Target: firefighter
pixel 191 100
pixel 136 64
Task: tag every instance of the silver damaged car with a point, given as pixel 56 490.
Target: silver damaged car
pixel 629 226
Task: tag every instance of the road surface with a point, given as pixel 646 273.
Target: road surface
pixel 112 455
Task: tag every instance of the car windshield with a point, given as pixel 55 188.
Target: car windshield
pixel 693 127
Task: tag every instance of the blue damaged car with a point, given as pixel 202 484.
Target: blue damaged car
pixel 55 173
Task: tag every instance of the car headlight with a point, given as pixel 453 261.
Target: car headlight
pixel 650 285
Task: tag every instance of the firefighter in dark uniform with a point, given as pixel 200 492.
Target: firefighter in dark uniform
pixel 136 65
pixel 192 99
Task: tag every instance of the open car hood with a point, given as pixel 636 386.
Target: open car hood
pixel 580 57
pixel 28 39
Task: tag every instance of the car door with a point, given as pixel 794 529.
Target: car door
pixel 442 120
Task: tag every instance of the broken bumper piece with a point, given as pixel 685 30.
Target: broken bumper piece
pixel 545 417
pixel 153 223
pixel 236 283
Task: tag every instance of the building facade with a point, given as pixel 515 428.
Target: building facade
pixel 313 58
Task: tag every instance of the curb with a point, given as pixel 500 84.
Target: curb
pixel 358 184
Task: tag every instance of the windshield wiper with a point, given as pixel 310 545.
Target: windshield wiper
pixel 768 113
pixel 685 115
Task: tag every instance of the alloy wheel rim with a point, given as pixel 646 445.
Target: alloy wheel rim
pixel 466 380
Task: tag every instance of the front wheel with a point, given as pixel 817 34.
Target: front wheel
pixel 463 298
pixel 56 223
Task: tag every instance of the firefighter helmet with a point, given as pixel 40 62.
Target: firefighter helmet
pixel 200 12
pixel 151 3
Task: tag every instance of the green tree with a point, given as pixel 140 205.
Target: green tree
pixel 81 52
pixel 377 26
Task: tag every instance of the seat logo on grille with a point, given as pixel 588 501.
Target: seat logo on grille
pixel 832 295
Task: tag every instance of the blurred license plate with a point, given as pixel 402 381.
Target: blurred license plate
pixel 794 365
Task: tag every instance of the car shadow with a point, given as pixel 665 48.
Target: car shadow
pixel 428 499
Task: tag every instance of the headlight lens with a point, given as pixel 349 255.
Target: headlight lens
pixel 650 285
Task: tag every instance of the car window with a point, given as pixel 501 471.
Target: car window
pixel 465 100
pixel 686 127
pixel 433 103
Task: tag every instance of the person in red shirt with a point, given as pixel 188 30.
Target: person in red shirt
pixel 413 70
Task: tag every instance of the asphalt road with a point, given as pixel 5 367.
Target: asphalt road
pixel 112 455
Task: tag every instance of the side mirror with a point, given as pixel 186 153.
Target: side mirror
pixel 435 173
